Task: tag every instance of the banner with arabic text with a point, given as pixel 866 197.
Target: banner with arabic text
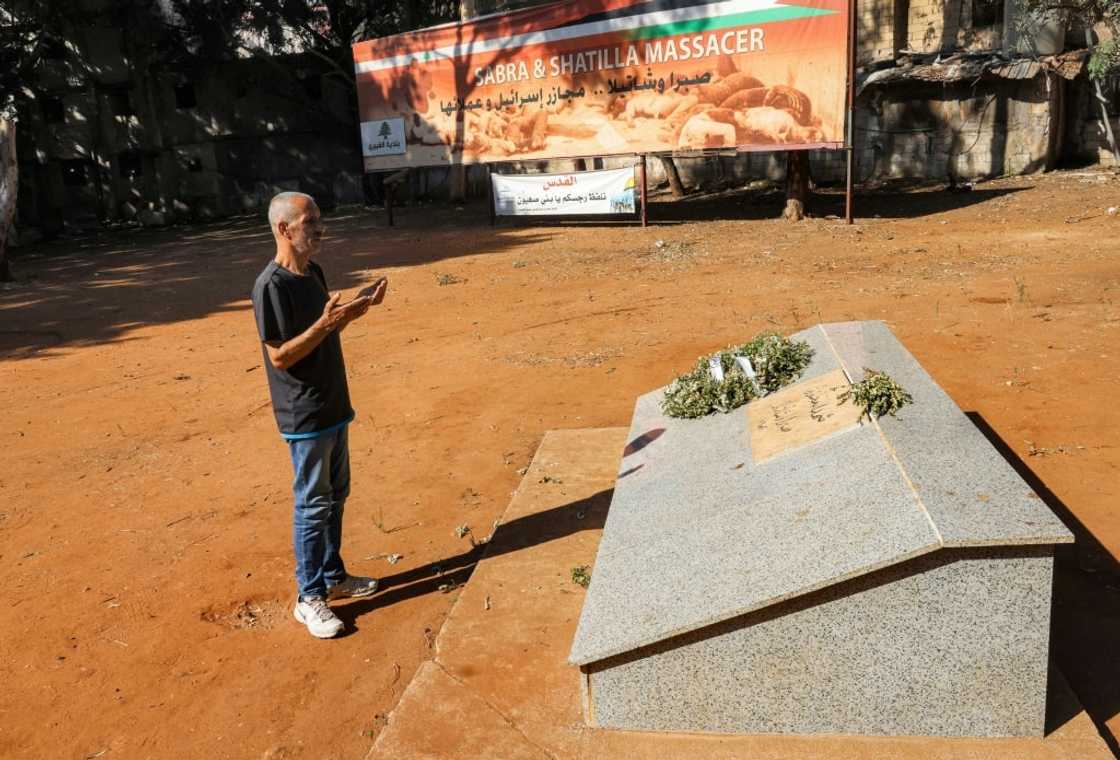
pixel 610 191
pixel 606 77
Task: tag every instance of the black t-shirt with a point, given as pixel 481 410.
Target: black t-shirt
pixel 311 396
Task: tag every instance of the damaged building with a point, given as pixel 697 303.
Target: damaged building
pixel 955 90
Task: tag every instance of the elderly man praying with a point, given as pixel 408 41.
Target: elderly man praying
pixel 299 323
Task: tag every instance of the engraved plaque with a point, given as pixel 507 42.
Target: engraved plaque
pixel 800 414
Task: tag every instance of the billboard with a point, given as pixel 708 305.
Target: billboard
pixel 605 77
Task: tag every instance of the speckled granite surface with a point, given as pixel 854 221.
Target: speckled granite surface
pixel 949 644
pixel 679 557
pixel 973 495
pixel 698 534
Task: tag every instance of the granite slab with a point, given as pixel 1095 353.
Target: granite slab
pixel 698 533
pixel 948 644
pixel 973 495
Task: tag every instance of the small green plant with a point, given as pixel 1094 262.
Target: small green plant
pixel 877 394
pixel 777 362
pixel 581 576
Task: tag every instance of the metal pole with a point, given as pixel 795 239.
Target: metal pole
pixel 642 180
pixel 851 111
pixel 389 201
pixel 490 195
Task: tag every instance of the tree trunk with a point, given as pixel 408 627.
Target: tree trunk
pixel 9 187
pixel 458 183
pixel 797 185
pixel 675 185
pixel 1102 102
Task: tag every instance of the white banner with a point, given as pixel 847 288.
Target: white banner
pixel 610 191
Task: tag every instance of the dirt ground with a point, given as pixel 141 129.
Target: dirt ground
pixel 145 502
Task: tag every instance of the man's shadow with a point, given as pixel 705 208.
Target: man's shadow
pixel 452 572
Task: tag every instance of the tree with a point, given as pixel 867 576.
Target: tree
pixel 797 185
pixel 42 40
pixel 25 41
pixel 272 29
pixel 676 187
pixel 9 186
pixel 1104 58
pixel 190 38
pixel 279 32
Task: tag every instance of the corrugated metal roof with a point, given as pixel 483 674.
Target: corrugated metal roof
pixel 965 68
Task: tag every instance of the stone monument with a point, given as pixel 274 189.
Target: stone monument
pixel 785 568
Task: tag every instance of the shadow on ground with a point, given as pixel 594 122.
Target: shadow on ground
pixel 520 533
pixel 898 203
pixel 96 290
pixel 744 204
pixel 1085 621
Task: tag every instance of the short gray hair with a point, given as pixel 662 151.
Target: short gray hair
pixel 281 208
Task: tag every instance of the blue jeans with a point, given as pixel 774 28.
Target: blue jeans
pixel 321 485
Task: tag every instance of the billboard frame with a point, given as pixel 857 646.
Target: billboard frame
pixel 848 145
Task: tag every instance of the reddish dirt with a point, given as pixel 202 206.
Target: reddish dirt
pixel 145 507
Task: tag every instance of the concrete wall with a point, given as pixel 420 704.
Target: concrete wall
pixel 946 25
pixel 959 130
pixel 877 38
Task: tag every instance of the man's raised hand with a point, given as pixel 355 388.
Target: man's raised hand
pixel 375 292
pixel 335 316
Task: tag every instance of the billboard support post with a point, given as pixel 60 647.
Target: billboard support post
pixel 389 201
pixel 490 194
pixel 642 185
pixel 851 111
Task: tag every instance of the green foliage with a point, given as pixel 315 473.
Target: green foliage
pixel 186 37
pixel 581 576
pixel 1104 58
pixel 777 361
pixel 877 394
pixel 328 27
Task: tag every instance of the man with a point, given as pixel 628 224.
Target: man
pixel 299 323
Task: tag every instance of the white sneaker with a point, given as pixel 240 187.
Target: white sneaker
pixel 318 618
pixel 353 586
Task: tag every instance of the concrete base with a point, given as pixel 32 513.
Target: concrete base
pixel 499 685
